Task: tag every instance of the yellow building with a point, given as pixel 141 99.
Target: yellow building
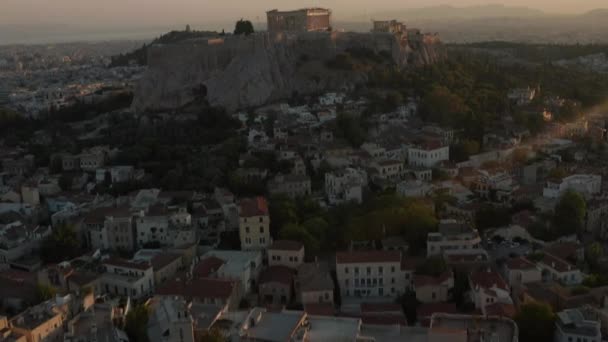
pixel 254 224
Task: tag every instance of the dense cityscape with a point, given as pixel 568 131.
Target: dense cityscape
pixel 303 183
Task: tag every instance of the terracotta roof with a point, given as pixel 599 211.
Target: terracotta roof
pixel 127 264
pixel 557 263
pixel 198 288
pixel 520 263
pixel 500 309
pixel 277 274
pixel 423 280
pixel 207 266
pixel 253 207
pixel 488 279
pixel 356 257
pixel 161 260
pixel 428 309
pixel 564 249
pixel 287 245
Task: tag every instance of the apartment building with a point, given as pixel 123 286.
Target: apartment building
pixel 254 224
pixel 370 274
pixel 453 236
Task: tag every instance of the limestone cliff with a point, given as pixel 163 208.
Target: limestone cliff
pixel 241 72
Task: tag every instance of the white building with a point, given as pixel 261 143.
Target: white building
pixel 489 291
pixel 577 325
pixel 128 279
pixel 428 154
pixel 587 185
pixel 240 266
pixel 453 236
pixel 557 269
pixel 345 186
pixel 153 226
pixel 414 188
pixel 331 99
pixel 370 274
pixel 520 271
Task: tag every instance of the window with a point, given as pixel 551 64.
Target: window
pixel 247 230
pixel 433 295
pixel 380 292
pixel 392 269
pixel 369 270
pixel 261 219
pixel 346 282
pixel 380 270
pixel 346 270
pixel 356 270
pixel 392 280
pixel 261 230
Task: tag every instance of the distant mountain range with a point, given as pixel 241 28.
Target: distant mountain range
pixel 469 12
pixel 496 22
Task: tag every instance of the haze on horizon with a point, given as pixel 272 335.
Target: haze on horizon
pixel 141 13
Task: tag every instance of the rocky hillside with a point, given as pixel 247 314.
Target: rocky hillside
pixel 237 72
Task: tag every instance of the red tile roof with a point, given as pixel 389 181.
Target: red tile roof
pixel 428 309
pixel 287 245
pixel 557 263
pixel 253 207
pixel 357 257
pixel 423 280
pixel 277 274
pixel 127 264
pixel 161 260
pixel 206 267
pixel 520 263
pixel 198 288
pixel 500 309
pixel 488 279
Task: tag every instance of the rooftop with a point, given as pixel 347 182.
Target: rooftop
pixel 359 257
pixel 254 207
pixel 487 279
pixel 277 274
pixel 198 288
pixel 286 245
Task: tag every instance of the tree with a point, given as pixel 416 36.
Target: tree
pixel 570 213
pixel 409 304
pixel 61 245
pixel 44 292
pixel 433 266
pixel 136 324
pixel 442 106
pixel 243 27
pixel 593 252
pixel 536 322
pixel 56 165
pixel 213 335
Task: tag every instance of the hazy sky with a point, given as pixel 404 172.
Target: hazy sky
pixel 107 13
